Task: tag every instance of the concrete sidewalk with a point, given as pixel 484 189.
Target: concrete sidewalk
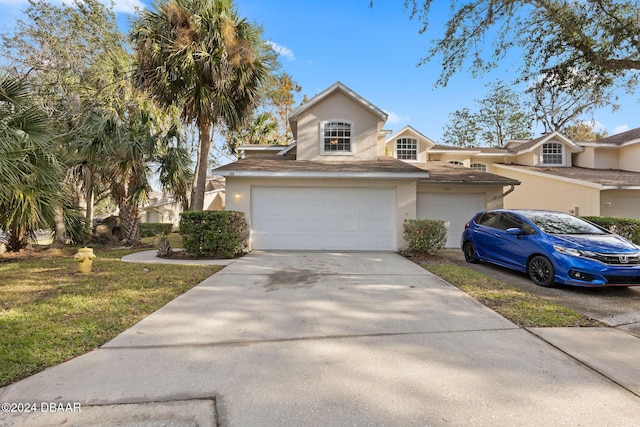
pixel 317 339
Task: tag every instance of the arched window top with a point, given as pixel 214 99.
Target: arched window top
pixel 336 136
pixel 479 167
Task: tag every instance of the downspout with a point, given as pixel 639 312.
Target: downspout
pixel 509 191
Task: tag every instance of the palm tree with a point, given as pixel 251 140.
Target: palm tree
pixel 199 55
pixel 263 129
pixel 30 174
pixel 141 136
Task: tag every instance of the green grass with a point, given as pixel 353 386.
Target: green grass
pixel 522 308
pixel 50 313
pixel 175 240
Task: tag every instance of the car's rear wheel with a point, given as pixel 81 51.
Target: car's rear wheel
pixel 541 271
pixel 469 250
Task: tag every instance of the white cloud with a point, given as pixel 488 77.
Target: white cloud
pixel 125 6
pixel 395 119
pixel 282 51
pixel 620 129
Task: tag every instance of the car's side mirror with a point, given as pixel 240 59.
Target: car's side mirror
pixel 516 232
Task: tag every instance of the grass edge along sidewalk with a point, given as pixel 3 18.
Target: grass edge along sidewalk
pixel 49 313
pixel 522 308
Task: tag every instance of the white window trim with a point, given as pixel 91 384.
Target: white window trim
pixel 417 141
pixel 562 147
pixel 486 167
pixel 351 152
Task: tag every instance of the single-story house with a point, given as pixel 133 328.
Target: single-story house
pixel 339 187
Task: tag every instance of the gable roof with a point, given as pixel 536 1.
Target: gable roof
pixel 510 148
pixel 410 130
pixel 630 136
pixel 337 86
pixel 534 143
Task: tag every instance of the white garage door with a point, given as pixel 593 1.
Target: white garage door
pixel 454 209
pixel 323 218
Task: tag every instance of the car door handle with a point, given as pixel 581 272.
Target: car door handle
pixel 498 235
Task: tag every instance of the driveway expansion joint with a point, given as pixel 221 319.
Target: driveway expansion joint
pixel 309 338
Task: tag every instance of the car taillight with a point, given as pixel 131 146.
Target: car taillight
pixel 467 225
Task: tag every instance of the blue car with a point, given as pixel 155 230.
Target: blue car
pixel 551 247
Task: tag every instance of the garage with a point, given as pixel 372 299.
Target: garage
pixel 454 209
pixel 286 218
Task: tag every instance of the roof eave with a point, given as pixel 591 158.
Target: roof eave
pixel 444 181
pixel 323 174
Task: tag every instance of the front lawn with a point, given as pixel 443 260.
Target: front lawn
pixel 49 313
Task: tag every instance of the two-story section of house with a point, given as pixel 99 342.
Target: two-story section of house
pixel 584 178
pixel 339 188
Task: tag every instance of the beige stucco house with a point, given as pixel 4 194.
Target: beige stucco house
pixel 163 208
pixel 584 178
pixel 340 186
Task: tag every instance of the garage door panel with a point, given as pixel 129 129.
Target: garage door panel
pixel 454 209
pixel 323 218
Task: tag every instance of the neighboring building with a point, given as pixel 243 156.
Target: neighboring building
pixel 339 187
pixel 162 208
pixel 584 178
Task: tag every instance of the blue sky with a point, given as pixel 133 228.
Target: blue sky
pixel 374 51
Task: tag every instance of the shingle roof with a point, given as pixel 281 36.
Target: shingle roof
pixel 431 172
pixel 604 177
pixel 497 150
pixel 270 163
pixel 621 138
pixel 442 172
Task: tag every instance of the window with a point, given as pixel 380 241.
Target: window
pixel 479 167
pixel 456 162
pixel 337 137
pixel 488 219
pixel 407 149
pixel 552 153
pixel 509 220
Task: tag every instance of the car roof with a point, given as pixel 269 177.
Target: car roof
pixel 525 211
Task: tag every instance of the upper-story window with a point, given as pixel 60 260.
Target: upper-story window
pixel 479 167
pixel 337 136
pixel 552 153
pixel 407 148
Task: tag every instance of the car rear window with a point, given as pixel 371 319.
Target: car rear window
pixel 488 219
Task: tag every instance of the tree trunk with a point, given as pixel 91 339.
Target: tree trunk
pixel 89 202
pixel 17 239
pixel 60 235
pixel 130 223
pixel 204 145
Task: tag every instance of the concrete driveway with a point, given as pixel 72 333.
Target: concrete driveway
pixel 332 339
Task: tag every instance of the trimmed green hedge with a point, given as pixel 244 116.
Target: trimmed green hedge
pixel 425 236
pixel 218 234
pixel 151 229
pixel 626 227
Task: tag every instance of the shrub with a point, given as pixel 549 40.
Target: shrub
pixel 219 234
pixel 164 246
pixel 150 229
pixel 425 236
pixel 626 227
